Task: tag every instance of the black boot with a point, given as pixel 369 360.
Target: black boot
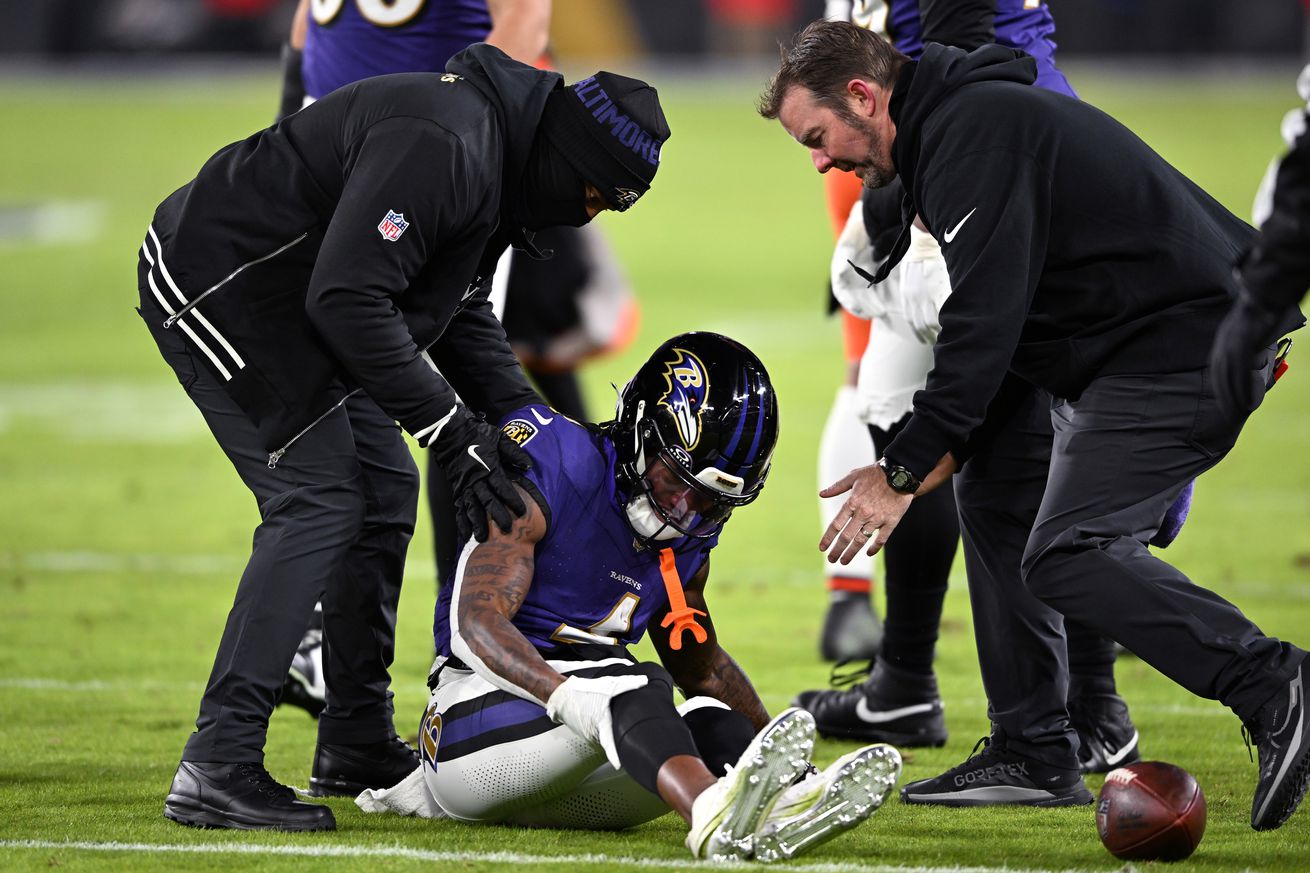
pixel 304 686
pixel 241 796
pixel 891 706
pixel 1281 734
pixel 341 769
pixel 1106 736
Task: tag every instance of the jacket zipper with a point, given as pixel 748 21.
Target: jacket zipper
pixel 168 322
pixel 274 457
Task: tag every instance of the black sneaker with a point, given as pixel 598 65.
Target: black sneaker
pixel 852 630
pixel 997 776
pixel 241 796
pixel 1106 736
pixel 346 770
pixel 304 686
pixel 1281 734
pixel 891 706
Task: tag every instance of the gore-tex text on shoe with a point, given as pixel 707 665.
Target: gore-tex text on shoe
pixel 986 774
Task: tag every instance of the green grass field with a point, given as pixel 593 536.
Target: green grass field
pixel 124 528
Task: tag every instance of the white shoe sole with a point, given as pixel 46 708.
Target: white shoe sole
pixel 771 763
pixel 861 784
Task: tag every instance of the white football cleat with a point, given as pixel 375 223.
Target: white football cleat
pixel 725 817
pixel 819 808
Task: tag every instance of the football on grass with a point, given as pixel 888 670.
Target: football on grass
pixel 1150 811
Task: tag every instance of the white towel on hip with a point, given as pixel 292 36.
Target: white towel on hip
pixel 409 796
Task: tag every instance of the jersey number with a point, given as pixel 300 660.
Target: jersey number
pixel 607 630
pixel 383 13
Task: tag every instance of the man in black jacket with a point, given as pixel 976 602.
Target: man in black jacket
pixel 1084 265
pixel 294 287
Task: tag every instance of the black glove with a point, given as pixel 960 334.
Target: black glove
pixel 479 461
pixel 1247 330
pixel 293 84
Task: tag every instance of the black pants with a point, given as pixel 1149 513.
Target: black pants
pixel 1120 455
pixel 1021 645
pixel 337 514
pixel 918 563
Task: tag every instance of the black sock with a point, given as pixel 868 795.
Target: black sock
pixel 721 735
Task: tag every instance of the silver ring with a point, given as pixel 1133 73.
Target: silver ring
pixel 867 533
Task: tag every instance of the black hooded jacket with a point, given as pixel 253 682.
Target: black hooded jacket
pixel 1073 249
pixel 345 240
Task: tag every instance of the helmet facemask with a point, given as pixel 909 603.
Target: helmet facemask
pixel 667 499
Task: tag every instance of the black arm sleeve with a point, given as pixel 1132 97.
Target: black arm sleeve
pixel 293 82
pixel 1276 273
pixel 964 24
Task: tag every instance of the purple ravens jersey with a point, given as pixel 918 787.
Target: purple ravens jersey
pixel 1022 24
pixel 349 40
pixel 591 585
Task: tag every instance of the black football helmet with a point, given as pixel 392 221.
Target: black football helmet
pixel 698 421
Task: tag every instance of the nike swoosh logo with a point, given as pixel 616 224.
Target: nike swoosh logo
pixel 1123 752
pixel 950 234
pixel 863 713
pixel 473 453
pixel 540 420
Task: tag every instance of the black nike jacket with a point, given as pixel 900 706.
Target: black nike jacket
pixel 1073 249
pixel 324 254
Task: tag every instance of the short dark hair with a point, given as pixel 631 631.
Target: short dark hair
pixel 824 57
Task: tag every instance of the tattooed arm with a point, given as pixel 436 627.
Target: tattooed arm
pixel 705 668
pixel 491 589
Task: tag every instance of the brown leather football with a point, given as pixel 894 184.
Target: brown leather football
pixel 1150 811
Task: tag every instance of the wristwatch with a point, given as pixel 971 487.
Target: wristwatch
pixel 899 479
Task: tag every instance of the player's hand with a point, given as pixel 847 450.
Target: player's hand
pixel 924 286
pixel 1235 359
pixel 584 706
pixel 480 461
pixel 868 516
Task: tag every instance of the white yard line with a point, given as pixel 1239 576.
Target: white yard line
pixel 108 410
pixel 79 561
pixel 51 222
pixel 486 857
pixel 90 685
pixel 110 562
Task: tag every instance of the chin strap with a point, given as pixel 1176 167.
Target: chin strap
pixel 681 616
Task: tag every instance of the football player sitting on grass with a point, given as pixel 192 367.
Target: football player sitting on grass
pixel 539 716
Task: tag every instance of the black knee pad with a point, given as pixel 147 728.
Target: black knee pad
pixel 647 728
pixel 721 734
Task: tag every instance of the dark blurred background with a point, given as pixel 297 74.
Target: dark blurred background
pixel 53 29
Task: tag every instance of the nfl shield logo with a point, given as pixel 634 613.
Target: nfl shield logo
pixel 393 226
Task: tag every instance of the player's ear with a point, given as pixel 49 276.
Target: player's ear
pixel 864 98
